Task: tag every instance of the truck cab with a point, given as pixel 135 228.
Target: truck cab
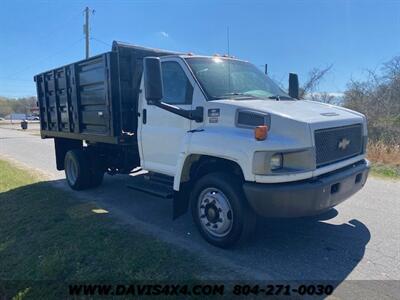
pixel 279 156
pixel 230 144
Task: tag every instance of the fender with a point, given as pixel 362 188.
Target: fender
pixel 194 151
pixel 210 142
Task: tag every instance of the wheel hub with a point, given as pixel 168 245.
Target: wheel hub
pixel 212 213
pixel 215 212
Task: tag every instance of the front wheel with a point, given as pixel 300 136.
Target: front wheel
pixel 220 210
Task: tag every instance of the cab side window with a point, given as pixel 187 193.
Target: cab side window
pixel 177 87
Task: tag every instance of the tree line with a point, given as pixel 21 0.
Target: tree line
pixel 16 105
pixel 377 97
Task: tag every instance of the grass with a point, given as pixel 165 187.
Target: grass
pixel 385 159
pixel 12 177
pixel 385 171
pixel 47 236
pixel 381 153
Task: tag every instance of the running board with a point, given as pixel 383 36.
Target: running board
pixel 156 188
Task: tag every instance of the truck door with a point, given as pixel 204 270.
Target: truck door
pixel 162 133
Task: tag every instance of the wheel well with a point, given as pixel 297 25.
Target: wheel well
pixel 62 146
pixel 197 166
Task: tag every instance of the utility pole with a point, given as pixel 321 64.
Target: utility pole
pixel 86 31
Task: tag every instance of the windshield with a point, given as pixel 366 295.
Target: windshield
pixel 226 78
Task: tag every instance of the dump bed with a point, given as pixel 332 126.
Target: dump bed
pixel 94 99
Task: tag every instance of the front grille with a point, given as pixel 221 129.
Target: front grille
pixel 335 144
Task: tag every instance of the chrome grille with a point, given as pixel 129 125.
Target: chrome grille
pixel 335 144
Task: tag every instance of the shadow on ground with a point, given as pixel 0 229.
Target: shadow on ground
pixel 309 248
pixel 281 249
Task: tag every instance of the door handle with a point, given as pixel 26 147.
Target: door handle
pixel 144 116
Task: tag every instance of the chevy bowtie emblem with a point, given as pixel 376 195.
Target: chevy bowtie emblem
pixel 343 143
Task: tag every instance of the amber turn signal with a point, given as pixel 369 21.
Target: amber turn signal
pixel 261 132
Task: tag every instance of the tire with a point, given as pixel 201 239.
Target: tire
pixel 96 178
pixel 77 169
pixel 221 211
pixel 95 165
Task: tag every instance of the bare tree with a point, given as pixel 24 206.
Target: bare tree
pixel 314 78
pixel 325 98
pixel 378 97
pixel 392 68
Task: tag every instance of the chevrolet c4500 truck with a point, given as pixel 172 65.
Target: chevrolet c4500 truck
pixel 214 134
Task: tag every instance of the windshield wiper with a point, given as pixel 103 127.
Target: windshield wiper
pixel 241 95
pixel 278 97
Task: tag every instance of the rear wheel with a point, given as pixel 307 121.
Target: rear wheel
pixel 96 177
pixel 77 169
pixel 97 170
pixel 220 210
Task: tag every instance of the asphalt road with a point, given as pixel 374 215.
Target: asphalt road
pixel 359 240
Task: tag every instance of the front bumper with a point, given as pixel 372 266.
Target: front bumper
pixel 306 197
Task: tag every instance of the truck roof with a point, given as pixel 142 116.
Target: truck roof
pixel 116 45
pixel 167 53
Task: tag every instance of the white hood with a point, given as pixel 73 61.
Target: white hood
pixel 291 121
pixel 301 110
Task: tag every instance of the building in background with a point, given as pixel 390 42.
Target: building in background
pixel 15 117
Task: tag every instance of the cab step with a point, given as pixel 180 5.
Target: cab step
pixel 153 186
pixel 161 178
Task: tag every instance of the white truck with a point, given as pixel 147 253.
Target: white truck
pixel 215 134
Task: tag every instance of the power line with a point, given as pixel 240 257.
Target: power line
pixel 54 29
pixel 15 80
pixel 100 41
pixel 12 78
pixel 65 49
pixel 43 34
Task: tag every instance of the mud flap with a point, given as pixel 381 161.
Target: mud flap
pixel 180 202
pixel 62 146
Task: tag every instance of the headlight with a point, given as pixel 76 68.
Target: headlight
pixel 276 161
pixel 269 162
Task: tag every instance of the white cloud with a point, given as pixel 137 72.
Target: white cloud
pixel 164 34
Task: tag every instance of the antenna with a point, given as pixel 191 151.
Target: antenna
pixel 229 63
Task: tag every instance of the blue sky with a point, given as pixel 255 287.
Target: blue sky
pixel 291 36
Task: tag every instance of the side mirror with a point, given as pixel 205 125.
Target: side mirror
pixel 153 79
pixel 293 85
